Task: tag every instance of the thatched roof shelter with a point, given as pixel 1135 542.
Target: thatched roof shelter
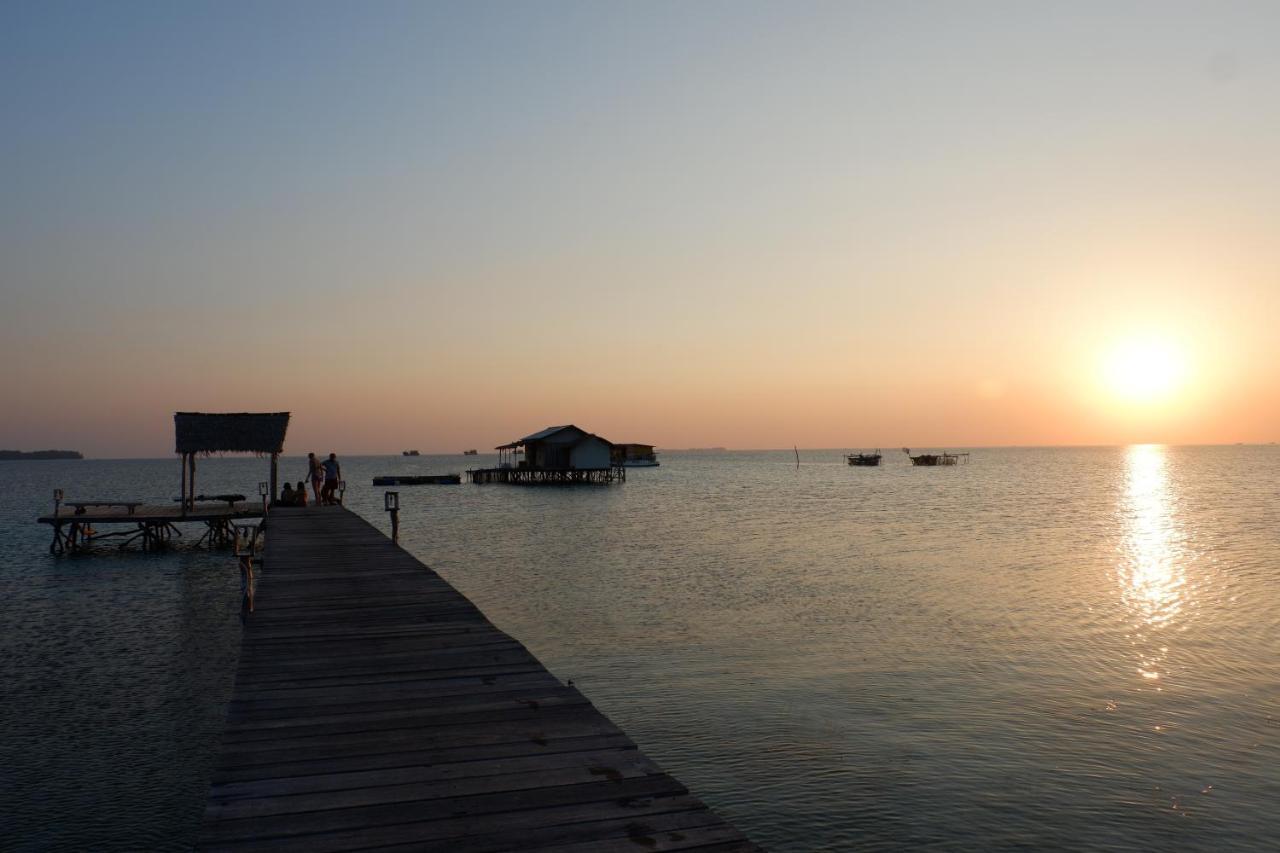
pixel 201 433
pixel 242 432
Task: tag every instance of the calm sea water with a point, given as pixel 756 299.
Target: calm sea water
pixel 1047 648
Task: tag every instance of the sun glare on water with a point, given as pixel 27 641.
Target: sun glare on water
pixel 1144 370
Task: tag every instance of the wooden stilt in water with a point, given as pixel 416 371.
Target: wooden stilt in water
pixel 246 545
pixel 549 476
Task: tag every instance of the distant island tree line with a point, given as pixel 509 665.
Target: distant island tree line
pixel 10 455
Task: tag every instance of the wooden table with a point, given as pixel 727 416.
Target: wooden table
pixel 230 500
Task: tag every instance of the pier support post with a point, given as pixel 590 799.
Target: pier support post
pixel 246 542
pixel 391 502
pixel 58 546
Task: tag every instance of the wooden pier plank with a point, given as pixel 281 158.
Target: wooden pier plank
pixel 394 814
pixel 435 772
pixel 425 757
pixel 376 707
pixel 522 830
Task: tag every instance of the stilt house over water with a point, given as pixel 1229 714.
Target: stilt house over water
pixel 558 454
pixel 203 434
pixel 634 455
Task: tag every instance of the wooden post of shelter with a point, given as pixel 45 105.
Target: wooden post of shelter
pixel 275 467
pixel 191 481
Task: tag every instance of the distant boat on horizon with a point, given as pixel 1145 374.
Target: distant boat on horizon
pixel 930 460
pixel 864 460
pixel 411 453
pixel 471 452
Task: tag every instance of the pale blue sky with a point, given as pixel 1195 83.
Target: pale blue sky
pixel 749 211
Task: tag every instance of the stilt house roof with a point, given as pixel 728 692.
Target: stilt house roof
pixel 240 432
pixel 544 434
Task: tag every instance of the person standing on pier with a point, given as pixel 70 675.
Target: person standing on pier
pixel 315 473
pixel 332 474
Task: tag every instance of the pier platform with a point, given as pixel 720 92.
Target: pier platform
pixel 375 706
pixel 152 526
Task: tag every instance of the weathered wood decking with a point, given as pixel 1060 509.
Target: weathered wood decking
pixel 375 706
pixel 154 526
pixel 113 513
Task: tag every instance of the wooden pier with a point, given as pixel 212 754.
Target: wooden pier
pixel 153 527
pixel 78 525
pixel 375 706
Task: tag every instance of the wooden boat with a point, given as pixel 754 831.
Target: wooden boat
pixel 864 459
pixel 410 453
pixel 470 453
pixel 930 460
pixel 419 480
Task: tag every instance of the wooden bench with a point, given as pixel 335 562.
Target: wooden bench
pixel 80 506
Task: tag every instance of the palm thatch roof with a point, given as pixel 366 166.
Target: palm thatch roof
pixel 242 432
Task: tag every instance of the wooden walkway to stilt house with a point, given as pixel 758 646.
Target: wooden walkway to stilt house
pixel 375 706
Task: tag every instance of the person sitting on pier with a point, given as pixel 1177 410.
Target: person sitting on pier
pixel 287 496
pixel 300 495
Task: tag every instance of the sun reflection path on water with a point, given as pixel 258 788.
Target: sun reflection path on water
pixel 1152 563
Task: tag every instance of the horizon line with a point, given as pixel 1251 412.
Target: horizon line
pixel 727 449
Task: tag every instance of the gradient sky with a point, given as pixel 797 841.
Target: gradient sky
pixel 754 225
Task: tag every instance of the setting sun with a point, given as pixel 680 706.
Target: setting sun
pixel 1144 370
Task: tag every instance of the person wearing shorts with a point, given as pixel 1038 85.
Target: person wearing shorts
pixel 332 474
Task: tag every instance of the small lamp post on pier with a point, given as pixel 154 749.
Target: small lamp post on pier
pixel 342 491
pixel 263 490
pixel 391 503
pixel 57 501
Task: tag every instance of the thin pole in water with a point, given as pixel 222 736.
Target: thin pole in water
pixel 797 450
